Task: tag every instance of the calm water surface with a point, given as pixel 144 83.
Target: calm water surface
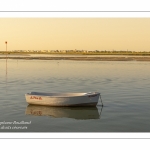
pixel 124 87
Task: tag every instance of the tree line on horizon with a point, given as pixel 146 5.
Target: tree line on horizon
pixel 76 51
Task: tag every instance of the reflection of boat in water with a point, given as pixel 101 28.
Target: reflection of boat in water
pixel 63 99
pixel 64 112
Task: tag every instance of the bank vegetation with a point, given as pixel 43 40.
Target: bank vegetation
pixel 75 52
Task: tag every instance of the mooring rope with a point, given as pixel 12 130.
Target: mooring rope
pixel 101 99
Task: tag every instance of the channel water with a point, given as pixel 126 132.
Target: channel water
pixel 124 88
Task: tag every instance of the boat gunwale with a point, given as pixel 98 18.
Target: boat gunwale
pixel 71 96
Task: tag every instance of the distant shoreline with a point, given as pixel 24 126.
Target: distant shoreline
pixel 75 52
pixel 83 58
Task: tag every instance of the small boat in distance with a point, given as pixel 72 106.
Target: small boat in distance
pixel 63 99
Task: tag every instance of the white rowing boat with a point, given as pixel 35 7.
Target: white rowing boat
pixel 63 99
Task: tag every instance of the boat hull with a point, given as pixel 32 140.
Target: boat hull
pixel 62 99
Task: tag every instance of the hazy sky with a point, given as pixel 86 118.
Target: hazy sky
pixel 75 33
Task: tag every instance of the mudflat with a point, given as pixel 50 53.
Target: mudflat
pixel 84 58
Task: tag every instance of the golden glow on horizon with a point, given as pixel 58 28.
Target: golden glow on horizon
pixel 131 34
